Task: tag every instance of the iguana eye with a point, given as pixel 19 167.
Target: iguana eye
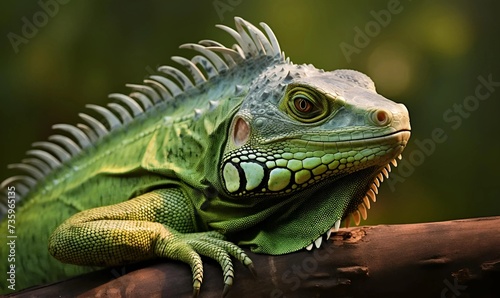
pixel 306 105
pixel 302 104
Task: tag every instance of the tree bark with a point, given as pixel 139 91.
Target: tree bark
pixel 458 258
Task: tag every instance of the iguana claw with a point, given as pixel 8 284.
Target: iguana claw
pixel 196 288
pixel 189 247
pixel 227 286
pixel 252 270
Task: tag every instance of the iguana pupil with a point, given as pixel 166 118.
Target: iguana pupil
pixel 302 104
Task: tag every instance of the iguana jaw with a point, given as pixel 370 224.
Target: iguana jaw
pixel 358 208
pixel 315 213
pixel 289 166
pixel 349 196
pixel 316 208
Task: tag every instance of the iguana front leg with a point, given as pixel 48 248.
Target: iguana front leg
pixel 155 224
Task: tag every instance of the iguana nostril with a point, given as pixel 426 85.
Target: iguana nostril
pixel 381 117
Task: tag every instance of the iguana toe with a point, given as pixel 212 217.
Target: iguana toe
pixel 189 247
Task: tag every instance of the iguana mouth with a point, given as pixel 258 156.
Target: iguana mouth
pixel 403 135
pixel 333 138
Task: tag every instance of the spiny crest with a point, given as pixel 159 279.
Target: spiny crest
pixel 213 59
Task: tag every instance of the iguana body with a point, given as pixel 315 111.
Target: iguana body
pixel 249 148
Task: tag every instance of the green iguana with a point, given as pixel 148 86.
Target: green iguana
pixel 241 147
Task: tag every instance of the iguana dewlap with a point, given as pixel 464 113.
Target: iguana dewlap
pixel 240 147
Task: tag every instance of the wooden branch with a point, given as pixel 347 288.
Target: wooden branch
pixel 459 258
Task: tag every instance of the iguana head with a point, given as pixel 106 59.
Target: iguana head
pixel 314 145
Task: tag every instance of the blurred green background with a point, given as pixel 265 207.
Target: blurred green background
pixel 425 54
